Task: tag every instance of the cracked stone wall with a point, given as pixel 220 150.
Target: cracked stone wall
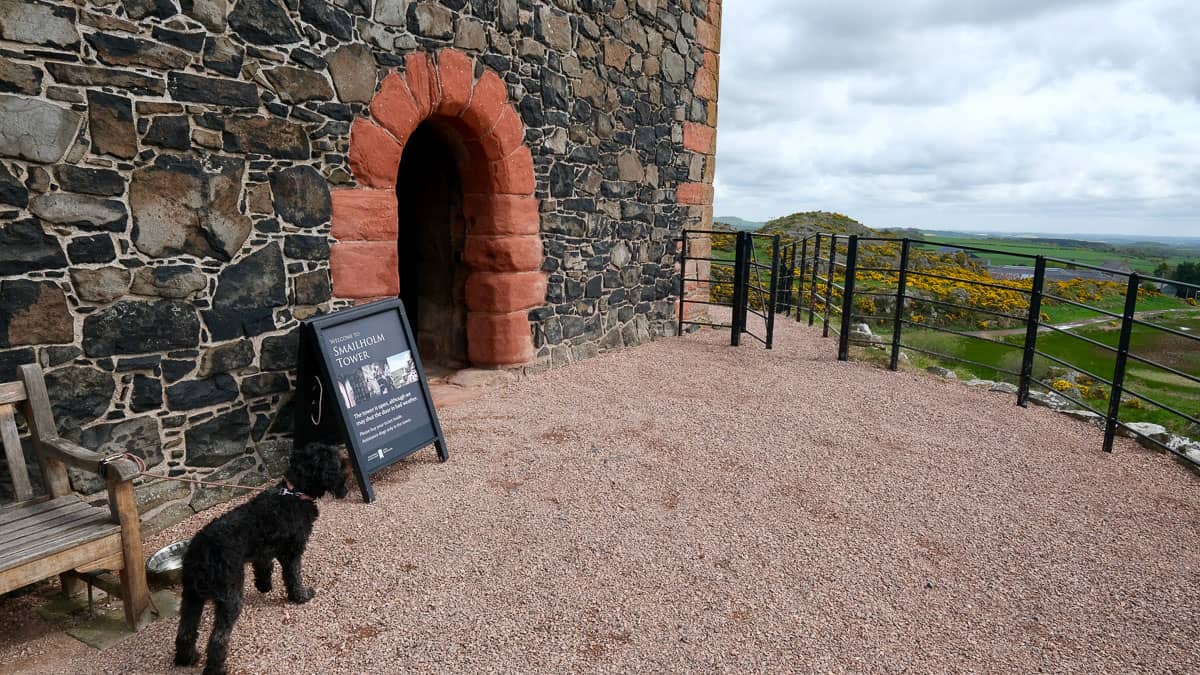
pixel 165 176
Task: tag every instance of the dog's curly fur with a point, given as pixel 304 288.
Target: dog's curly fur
pixel 274 525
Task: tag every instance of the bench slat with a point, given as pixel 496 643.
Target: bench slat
pixel 12 453
pixel 11 530
pixel 12 512
pixel 12 392
pixel 35 568
pixel 44 542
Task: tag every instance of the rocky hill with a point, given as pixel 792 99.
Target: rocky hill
pixel 801 225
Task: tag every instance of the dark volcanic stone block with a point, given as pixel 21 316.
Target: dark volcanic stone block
pixel 140 9
pixel 200 89
pixel 99 182
pixel 223 56
pixel 79 394
pixel 12 192
pixel 313 288
pixel 226 358
pixel 269 136
pixel 264 384
pixel 246 294
pixel 10 359
pixel 57 355
pixel 327 18
pixel 67 73
pixel 192 42
pixel 306 247
pixel 25 246
pixel 279 351
pixel 129 327
pixel 263 22
pixel 218 440
pixel 116 50
pixel 147 393
pixel 301 196
pixel 174 369
pixel 139 363
pixel 139 436
pixel 258 280
pixel 192 394
pixel 169 131
pixel 94 249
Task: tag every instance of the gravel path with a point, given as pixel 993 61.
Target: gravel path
pixel 686 506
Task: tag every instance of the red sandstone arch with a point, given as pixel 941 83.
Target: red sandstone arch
pixel 502 249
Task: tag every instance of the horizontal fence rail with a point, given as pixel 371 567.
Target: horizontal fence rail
pixel 840 280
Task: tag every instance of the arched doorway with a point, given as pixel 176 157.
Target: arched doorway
pixel 431 129
pixel 430 239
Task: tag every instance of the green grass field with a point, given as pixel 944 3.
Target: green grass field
pixel 1087 256
pixel 1064 313
pixel 1155 383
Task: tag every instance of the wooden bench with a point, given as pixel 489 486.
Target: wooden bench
pixel 60 534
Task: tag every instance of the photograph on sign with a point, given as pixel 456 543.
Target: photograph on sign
pixel 402 369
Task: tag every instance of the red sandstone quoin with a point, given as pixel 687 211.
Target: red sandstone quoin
pixel 503 249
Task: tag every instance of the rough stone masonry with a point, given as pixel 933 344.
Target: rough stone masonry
pixel 183 181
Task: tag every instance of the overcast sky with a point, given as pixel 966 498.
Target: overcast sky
pixel 1064 116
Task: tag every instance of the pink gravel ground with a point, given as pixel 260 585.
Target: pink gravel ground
pixel 685 506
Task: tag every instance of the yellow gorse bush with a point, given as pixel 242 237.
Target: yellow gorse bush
pixel 951 278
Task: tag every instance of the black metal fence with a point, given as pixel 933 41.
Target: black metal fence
pixel 809 288
pixel 753 283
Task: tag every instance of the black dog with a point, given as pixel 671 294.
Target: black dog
pixel 274 525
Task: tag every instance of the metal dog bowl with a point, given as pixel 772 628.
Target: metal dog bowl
pixel 165 567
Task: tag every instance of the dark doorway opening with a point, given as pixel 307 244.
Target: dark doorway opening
pixel 430 243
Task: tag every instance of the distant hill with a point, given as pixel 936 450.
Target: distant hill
pixel 903 232
pixel 801 225
pixel 738 223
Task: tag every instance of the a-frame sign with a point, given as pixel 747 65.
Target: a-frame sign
pixel 360 381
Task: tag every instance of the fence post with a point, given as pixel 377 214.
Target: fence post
pixel 812 291
pixel 803 269
pixel 829 284
pixel 740 263
pixel 775 268
pixel 1033 321
pixel 787 278
pixel 901 286
pixel 848 298
pixel 792 302
pixel 682 281
pixel 1118 381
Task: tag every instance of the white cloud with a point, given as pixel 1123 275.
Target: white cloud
pixel 998 114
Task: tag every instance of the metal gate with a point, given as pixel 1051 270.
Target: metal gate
pixel 742 277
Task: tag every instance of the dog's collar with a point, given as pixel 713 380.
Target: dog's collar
pixel 288 490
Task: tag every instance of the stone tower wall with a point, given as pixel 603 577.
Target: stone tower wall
pixel 168 174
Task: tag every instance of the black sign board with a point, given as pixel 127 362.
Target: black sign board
pixel 361 382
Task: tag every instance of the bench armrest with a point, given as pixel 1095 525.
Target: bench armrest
pixel 118 469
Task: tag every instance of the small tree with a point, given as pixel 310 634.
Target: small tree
pixel 1188 273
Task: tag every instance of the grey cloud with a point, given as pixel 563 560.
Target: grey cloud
pixel 977 106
